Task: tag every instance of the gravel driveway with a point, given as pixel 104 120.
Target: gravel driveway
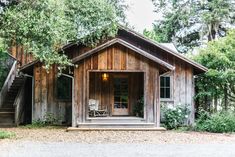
pixel 58 143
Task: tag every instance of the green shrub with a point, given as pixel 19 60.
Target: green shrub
pixel 48 120
pixel 218 122
pixel 4 134
pixel 174 116
pixel 3 67
pixel 139 108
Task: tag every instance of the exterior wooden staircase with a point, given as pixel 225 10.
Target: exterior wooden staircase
pixel 7 110
pixel 12 97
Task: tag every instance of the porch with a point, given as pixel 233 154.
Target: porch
pixel 120 99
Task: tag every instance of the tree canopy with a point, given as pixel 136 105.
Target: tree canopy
pixel 43 27
pixel 219 81
pixel 189 23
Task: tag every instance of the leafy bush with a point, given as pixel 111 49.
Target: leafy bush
pixel 3 68
pixel 218 122
pixel 174 116
pixel 139 108
pixel 4 134
pixel 49 120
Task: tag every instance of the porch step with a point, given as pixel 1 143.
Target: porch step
pixel 116 120
pixel 116 129
pixel 116 125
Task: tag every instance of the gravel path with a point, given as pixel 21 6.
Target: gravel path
pixel 58 143
pixel 151 137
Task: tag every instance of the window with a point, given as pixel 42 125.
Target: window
pixel 64 88
pixel 165 87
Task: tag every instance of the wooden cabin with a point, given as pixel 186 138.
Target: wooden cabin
pixel 125 78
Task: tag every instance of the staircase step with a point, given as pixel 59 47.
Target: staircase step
pixel 7 117
pixel 7 110
pixel 7 125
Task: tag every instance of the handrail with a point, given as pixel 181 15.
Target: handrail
pixel 19 103
pixel 8 82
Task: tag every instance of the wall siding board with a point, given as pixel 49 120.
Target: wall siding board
pixel 44 95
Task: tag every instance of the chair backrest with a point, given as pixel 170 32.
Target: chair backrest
pixel 93 104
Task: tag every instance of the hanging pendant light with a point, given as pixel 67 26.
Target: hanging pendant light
pixel 105 77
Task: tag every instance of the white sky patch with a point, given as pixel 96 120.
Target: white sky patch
pixel 140 14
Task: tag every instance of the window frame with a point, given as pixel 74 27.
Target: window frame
pixel 171 88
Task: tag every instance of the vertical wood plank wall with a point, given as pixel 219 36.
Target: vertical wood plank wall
pixel 117 58
pixel 18 52
pixel 45 96
pixel 183 86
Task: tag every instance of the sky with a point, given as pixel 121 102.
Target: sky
pixel 140 14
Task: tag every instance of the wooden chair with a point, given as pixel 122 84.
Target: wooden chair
pixel 94 110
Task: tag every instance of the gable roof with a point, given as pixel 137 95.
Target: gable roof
pixel 126 44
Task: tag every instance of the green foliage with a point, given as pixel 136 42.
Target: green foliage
pixel 3 68
pixel 153 35
pixel 189 23
pixel 139 108
pixel 218 122
pixel 219 81
pixel 174 116
pixel 48 120
pixel 5 134
pixel 43 27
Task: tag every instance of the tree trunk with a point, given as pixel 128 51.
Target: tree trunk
pixel 225 98
pixel 215 102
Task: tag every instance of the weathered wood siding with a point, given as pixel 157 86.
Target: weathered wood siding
pixel 182 85
pixel 116 58
pixel 19 53
pixel 45 96
pixel 182 77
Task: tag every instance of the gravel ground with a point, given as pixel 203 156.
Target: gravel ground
pixel 59 143
pixel 151 137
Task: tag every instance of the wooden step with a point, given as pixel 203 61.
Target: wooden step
pixel 116 129
pixel 116 125
pixel 7 125
pixel 7 117
pixel 7 110
pixel 115 120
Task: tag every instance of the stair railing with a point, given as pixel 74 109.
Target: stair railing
pixel 19 104
pixel 8 82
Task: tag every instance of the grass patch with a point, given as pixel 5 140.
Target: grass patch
pixel 5 134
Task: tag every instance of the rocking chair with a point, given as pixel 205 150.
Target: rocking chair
pixel 94 110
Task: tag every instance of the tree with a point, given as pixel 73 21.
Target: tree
pixel 42 27
pixel 219 81
pixel 191 23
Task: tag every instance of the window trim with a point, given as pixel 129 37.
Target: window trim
pixel 171 87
